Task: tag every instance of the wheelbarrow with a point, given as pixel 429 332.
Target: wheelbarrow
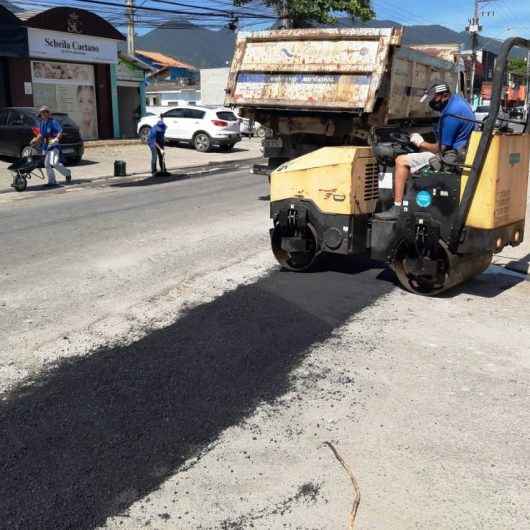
pixel 25 168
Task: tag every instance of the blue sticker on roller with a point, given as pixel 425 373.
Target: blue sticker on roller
pixel 424 199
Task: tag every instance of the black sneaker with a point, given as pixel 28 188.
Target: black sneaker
pixel 390 215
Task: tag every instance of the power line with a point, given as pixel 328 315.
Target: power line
pixel 162 10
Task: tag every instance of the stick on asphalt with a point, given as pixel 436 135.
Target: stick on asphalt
pixel 356 489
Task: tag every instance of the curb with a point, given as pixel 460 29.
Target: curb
pixel 90 144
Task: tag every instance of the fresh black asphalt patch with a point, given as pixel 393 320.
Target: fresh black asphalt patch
pixel 92 435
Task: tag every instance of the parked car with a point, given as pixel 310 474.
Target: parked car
pixel 251 128
pixel 202 127
pixel 518 113
pixel 483 111
pixel 17 126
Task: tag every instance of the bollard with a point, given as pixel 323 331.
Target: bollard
pixel 120 168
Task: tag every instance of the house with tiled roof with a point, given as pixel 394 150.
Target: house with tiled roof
pixel 168 69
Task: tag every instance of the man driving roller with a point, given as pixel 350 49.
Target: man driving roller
pixel 453 132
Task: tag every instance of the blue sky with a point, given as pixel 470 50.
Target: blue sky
pixel 510 17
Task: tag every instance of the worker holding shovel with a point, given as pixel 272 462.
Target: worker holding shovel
pixel 155 141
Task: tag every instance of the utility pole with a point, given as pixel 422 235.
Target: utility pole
pixel 474 28
pixel 284 15
pixel 130 28
pixel 527 105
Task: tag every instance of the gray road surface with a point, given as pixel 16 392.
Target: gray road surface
pixel 161 372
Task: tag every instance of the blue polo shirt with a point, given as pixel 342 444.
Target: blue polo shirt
pixel 157 134
pixel 452 132
pixel 49 130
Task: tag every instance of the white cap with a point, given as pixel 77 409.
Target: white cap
pixel 44 108
pixel 439 88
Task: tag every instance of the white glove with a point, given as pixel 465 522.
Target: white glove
pixel 416 139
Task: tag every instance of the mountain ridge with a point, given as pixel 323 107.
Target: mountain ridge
pixel 206 48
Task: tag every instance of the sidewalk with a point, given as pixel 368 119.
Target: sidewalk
pixel 98 162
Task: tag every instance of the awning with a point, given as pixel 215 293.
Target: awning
pixel 13 36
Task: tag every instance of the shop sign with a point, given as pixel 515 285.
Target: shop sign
pixel 71 47
pixel 126 71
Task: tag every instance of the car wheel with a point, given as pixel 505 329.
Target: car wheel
pixel 27 152
pixel 144 133
pixel 202 142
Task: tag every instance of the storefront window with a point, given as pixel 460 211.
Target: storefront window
pixel 70 88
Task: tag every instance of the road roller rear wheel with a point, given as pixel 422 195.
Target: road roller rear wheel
pixel 452 270
pixel 295 261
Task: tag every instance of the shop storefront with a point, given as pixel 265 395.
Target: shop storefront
pixel 129 95
pixel 71 53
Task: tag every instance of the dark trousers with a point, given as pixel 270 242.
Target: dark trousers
pixel 155 153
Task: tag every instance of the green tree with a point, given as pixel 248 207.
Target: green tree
pixel 517 67
pixel 299 12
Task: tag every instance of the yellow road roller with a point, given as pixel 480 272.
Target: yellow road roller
pixel 454 216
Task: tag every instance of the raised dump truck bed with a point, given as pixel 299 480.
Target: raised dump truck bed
pixel 332 85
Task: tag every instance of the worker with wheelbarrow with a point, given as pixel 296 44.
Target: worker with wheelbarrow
pixel 47 139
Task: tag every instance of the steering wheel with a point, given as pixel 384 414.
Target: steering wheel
pixel 403 139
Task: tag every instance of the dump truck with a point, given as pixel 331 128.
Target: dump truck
pixel 313 88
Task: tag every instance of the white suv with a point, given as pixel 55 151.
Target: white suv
pixel 204 128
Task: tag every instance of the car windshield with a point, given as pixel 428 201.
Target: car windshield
pixel 483 110
pixel 227 116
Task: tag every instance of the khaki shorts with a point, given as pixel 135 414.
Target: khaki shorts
pixel 417 161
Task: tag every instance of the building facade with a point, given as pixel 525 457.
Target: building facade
pixel 170 95
pixel 13 47
pixel 168 69
pixel 213 86
pixel 65 58
pixel 128 94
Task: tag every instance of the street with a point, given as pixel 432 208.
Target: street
pixel 160 371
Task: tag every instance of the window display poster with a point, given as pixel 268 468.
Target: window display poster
pixel 67 87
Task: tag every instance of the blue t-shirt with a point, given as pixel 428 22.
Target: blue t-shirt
pixel 49 130
pixel 452 132
pixel 156 135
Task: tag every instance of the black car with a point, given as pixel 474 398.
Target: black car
pixel 17 126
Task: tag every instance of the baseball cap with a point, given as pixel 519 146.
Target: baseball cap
pixel 439 88
pixel 44 108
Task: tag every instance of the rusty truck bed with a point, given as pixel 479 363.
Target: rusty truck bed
pixel 344 70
